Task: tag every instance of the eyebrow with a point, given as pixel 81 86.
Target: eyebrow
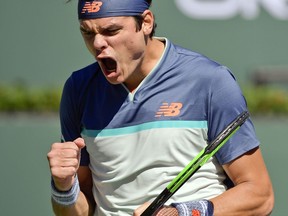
pixel 82 28
pixel 102 29
pixel 110 26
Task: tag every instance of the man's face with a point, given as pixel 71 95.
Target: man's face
pixel 116 45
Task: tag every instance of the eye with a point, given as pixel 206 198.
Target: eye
pixel 110 31
pixel 86 32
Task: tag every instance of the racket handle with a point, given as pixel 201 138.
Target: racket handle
pixel 157 203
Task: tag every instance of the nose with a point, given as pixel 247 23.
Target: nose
pixel 99 42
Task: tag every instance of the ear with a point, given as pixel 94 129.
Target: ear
pixel 148 22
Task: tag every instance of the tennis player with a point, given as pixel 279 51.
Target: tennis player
pixel 133 119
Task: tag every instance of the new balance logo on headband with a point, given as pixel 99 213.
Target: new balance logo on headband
pixel 91 7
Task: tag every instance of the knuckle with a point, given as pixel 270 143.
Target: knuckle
pixel 63 173
pixel 75 162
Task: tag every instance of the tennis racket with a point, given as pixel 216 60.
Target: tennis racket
pixel 196 163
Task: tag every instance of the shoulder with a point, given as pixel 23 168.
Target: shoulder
pixel 85 74
pixel 194 61
pixel 76 86
pixel 205 70
pixel 80 79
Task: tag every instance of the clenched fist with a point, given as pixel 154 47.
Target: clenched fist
pixel 64 160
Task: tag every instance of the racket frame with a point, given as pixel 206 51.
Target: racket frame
pixel 205 154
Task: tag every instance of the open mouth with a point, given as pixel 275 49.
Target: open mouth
pixel 109 64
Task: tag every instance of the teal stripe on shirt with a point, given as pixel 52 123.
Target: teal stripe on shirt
pixel 144 126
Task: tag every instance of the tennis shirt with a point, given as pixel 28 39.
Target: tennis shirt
pixel 136 143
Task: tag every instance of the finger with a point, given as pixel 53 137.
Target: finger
pixel 62 149
pixel 64 145
pixel 141 209
pixel 62 173
pixel 64 162
pixel 79 142
pixel 59 153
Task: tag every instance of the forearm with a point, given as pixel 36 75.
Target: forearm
pixel 82 207
pixel 245 199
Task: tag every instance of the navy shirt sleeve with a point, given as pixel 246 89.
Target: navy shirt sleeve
pixel 226 103
pixel 70 117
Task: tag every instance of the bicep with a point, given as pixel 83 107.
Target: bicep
pixel 249 167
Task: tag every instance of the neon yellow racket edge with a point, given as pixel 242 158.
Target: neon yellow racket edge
pixel 206 153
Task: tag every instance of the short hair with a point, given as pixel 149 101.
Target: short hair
pixel 139 21
pixel 149 2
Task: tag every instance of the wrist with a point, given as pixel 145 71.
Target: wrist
pixel 63 185
pixel 193 208
pixel 68 197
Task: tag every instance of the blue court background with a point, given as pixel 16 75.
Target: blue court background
pixel 41 45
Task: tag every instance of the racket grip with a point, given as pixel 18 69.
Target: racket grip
pixel 157 203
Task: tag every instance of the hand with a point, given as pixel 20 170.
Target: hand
pixel 64 161
pixel 164 211
pixel 167 211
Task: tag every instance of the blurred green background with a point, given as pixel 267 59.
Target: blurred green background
pixel 41 45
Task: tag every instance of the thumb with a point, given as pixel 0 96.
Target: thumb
pixel 80 142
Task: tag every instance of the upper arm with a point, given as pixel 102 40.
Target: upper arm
pixel 249 167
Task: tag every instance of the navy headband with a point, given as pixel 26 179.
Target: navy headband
pixel 110 8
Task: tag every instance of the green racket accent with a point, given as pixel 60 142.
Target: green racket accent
pixel 194 165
